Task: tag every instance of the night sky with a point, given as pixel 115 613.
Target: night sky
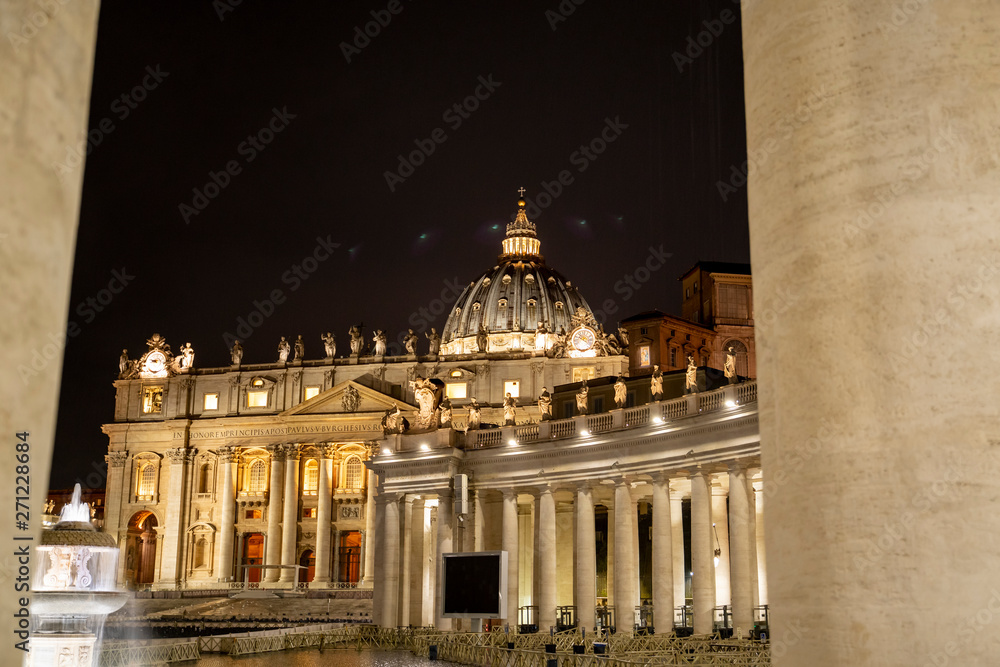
pixel 181 93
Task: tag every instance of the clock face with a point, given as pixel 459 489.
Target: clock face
pixel 156 363
pixel 583 339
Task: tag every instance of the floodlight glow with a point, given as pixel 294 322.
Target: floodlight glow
pixel 585 433
pixel 512 442
pixel 730 403
pixel 424 447
pixel 657 420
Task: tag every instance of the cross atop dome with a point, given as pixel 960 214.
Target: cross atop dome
pixel 521 240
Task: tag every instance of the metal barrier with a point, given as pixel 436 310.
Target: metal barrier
pixel 127 654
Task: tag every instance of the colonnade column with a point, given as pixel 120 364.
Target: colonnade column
pixel 323 518
pixel 610 579
pixel 444 545
pixel 663 557
pixel 624 557
pixel 585 593
pixel 367 553
pixel 272 555
pixel 377 537
pixel 739 549
pixel 752 513
pixel 546 576
pixel 760 529
pixel 389 553
pixel 720 541
pixel 508 543
pixel 290 519
pixel 227 455
pixel 702 552
pixel 405 562
pixel 677 533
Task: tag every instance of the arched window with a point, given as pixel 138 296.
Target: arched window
pixel 311 478
pixel 353 473
pixel 257 474
pixel 201 552
pixel 147 480
pixel 205 478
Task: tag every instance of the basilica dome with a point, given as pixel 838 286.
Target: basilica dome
pixel 520 304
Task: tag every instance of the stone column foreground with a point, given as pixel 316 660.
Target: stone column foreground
pixel 874 209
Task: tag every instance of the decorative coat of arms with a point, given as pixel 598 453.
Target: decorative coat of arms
pixel 351 399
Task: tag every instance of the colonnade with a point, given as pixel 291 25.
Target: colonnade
pixel 564 572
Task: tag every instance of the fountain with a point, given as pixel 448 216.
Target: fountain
pixel 74 589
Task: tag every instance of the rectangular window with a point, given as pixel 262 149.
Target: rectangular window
pixel 257 399
pixel 152 399
pixel 644 355
pixel 457 389
pixel 598 404
pixel 568 408
pixel 211 401
pixel 252 514
pixel 308 512
pixel 734 302
pixel 512 387
pixel 673 357
pixel 585 373
pixel 311 392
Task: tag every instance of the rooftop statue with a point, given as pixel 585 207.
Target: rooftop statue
pixel 691 377
pixel 330 344
pixel 656 383
pixel 509 405
pixel 237 353
pixel 581 398
pixel 124 365
pixel 475 414
pixel 482 338
pixel 283 349
pixel 356 340
pixel 621 391
pixel 410 342
pixel 300 349
pixel 730 368
pixel 381 340
pixel 434 339
pixel 393 421
pixel 623 336
pixel 186 359
pixel 445 413
pixel 545 404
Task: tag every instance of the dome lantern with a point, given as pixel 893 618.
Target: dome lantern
pixel 521 240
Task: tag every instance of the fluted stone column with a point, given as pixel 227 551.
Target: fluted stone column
pixel 625 565
pixel 677 535
pixel 546 576
pixel 368 554
pixel 227 523
pixel 720 541
pixel 509 544
pixel 405 561
pixel 585 593
pixel 877 263
pixel 389 553
pixel 272 554
pixel 444 545
pixel 323 518
pixel 739 548
pixel 663 557
pixel 702 554
pixel 290 518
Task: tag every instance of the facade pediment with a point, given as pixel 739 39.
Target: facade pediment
pixel 347 398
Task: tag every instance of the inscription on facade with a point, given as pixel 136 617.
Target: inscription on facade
pixel 279 430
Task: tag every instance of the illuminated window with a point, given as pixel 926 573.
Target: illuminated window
pixel 585 373
pixel 311 392
pixel 559 305
pixel 211 401
pixel 253 514
pixel 456 389
pixel 502 303
pixel 311 481
pixel 308 512
pixel 257 477
pixel 152 399
pixel 673 356
pixel 147 480
pixel 353 470
pixel 644 355
pixel 456 374
pixel 512 387
pixel 475 306
pixel 257 399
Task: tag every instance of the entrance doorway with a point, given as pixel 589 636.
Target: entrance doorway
pixel 308 561
pixel 253 554
pixel 140 549
pixel 350 557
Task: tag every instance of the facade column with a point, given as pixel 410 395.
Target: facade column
pixel 116 493
pixel 368 554
pixel 172 573
pixel 405 562
pixel 610 579
pixel 546 576
pixel 227 523
pixel 290 518
pixel 585 591
pixel 323 517
pixel 444 545
pixel 335 570
pixel 677 535
pixel 761 550
pixel 739 540
pixel 272 554
pixel 624 558
pixel 702 554
pixel 377 538
pixel 429 584
pixel 720 541
pixel 389 552
pixel 752 513
pixel 417 561
pixel 508 543
pixel 663 557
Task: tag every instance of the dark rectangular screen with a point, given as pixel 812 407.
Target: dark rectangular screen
pixel 472 585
